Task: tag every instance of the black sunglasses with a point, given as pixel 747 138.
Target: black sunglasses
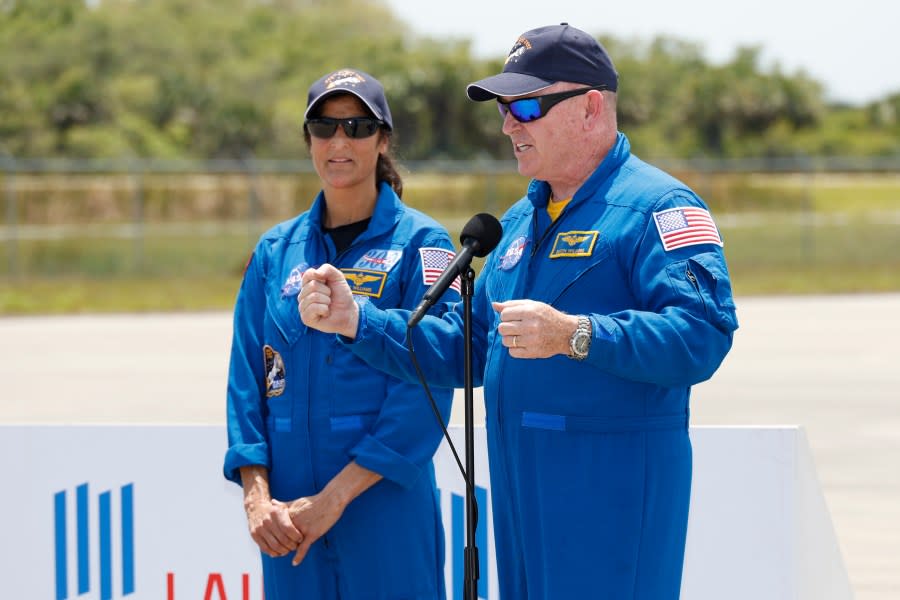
pixel 530 109
pixel 354 127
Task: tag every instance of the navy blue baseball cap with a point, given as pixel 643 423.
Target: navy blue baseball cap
pixel 350 81
pixel 543 56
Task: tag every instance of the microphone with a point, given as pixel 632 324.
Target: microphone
pixel 479 236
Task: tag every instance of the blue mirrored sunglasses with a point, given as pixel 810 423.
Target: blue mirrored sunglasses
pixel 530 109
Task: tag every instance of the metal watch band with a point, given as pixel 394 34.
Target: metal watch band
pixel 580 342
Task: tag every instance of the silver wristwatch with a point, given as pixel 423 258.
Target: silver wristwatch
pixel 580 342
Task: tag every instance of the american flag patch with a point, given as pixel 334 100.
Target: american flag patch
pixel 686 226
pixel 434 261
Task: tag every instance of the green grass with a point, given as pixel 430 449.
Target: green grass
pixel 198 267
pixel 784 233
pixel 792 258
pixel 772 255
pixel 71 295
pixel 830 193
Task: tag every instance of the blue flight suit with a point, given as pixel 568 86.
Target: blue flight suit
pixel 304 407
pixel 590 461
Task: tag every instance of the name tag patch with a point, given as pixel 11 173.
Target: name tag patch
pixel 365 282
pixel 571 244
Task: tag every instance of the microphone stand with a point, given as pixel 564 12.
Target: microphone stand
pixel 471 551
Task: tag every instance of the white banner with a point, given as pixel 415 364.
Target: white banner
pixel 114 512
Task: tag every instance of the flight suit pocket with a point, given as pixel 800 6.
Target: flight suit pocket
pixel 284 317
pixel 574 275
pixel 704 277
pixel 346 431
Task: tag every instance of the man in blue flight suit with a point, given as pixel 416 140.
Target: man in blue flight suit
pixel 606 300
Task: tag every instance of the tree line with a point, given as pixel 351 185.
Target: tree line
pixel 228 79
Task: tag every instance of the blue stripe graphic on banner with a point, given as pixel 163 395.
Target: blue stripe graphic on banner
pixel 82 541
pixel 481 541
pixel 458 543
pixel 59 519
pixel 105 548
pixel 84 555
pixel 127 539
pixel 458 518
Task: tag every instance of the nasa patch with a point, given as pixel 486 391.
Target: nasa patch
pixel 513 253
pixel 294 282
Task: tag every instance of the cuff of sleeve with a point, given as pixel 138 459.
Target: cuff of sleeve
pixel 375 456
pixel 605 333
pixel 369 316
pixel 243 455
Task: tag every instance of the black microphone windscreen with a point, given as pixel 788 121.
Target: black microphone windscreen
pixel 485 229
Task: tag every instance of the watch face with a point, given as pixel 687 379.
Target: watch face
pixel 582 343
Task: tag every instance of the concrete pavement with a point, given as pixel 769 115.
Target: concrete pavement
pixel 828 363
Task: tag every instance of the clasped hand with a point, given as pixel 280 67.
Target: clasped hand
pixel 279 528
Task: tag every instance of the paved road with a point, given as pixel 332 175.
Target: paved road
pixel 830 364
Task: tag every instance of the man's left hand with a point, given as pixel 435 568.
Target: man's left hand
pixel 533 329
pixel 313 516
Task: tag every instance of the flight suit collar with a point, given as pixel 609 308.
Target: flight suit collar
pixel 388 209
pixel 539 191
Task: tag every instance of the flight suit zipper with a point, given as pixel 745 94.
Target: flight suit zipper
pixel 693 279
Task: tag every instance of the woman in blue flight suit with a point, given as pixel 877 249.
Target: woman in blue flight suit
pixel 334 456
